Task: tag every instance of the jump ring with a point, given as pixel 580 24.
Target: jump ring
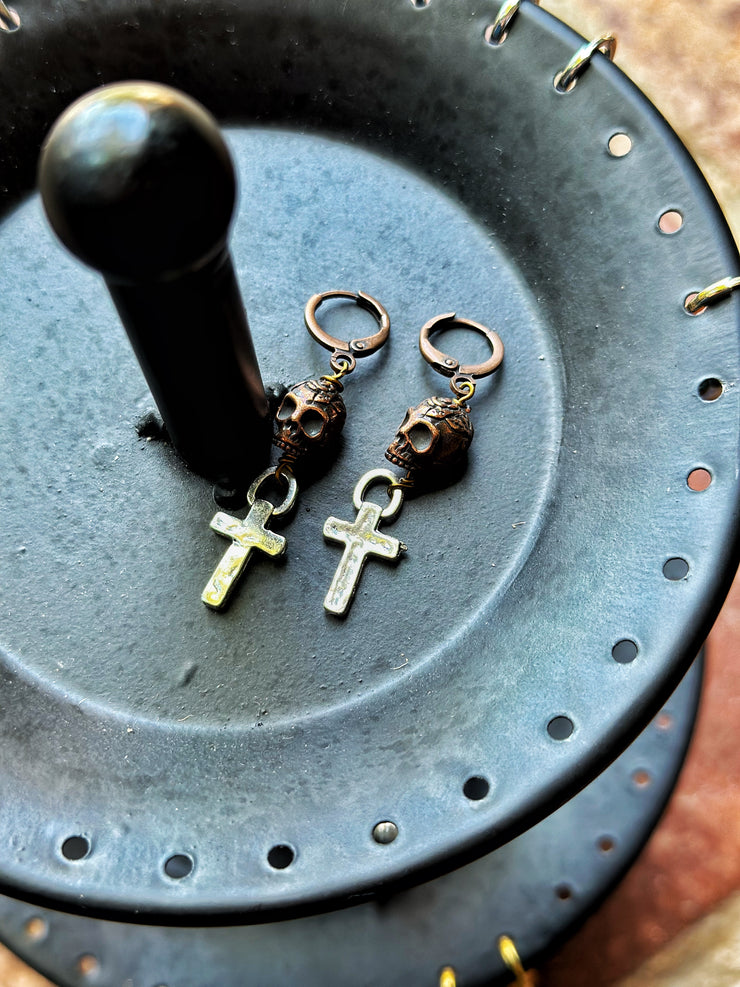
pixel 342 363
pixel 278 474
pixel 564 81
pixel 712 293
pixel 463 387
pixel 393 487
pixel 497 33
pixel 448 366
pixel 9 19
pixel 355 347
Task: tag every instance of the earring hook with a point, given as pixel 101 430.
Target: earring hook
pixel 462 377
pixel 345 353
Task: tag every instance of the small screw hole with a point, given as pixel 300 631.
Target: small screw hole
pixel 710 389
pixel 641 778
pixel 563 892
pixel 676 569
pixel 88 965
pixel 560 727
pixel 664 721
pixel 178 866
pixel 9 19
pixel 619 145
pixel 624 651
pixel 281 856
pixel 76 848
pixel 699 480
pixel 36 929
pixel 670 222
pixel 476 788
pixel 421 3
pixel 606 844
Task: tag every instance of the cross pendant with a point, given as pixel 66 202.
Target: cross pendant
pixel 361 539
pixel 246 535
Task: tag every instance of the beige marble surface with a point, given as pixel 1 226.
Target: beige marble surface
pixel 685 56
pixel 706 955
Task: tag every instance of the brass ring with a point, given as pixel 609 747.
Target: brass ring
pixel 565 80
pixel 277 473
pixel 496 33
pixel 448 365
pixel 712 293
pixel 9 18
pixel 374 476
pixel 355 347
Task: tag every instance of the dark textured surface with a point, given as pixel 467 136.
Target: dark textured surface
pixel 585 447
pixel 535 889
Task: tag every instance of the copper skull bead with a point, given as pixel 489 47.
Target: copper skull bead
pixel 435 434
pixel 311 415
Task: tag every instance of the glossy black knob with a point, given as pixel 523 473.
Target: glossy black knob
pixel 137 181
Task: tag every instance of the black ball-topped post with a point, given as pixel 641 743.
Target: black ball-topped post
pixel 138 182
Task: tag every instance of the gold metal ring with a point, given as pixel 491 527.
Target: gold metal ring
pixel 565 80
pixel 448 365
pixel 9 18
pixel 497 33
pixel 447 977
pixel 510 955
pixel 392 486
pixel 712 293
pixel 464 387
pixel 355 347
pixel 278 474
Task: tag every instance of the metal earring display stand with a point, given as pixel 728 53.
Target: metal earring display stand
pixel 537 889
pixel 188 754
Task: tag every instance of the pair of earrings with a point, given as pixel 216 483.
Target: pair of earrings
pixel 432 439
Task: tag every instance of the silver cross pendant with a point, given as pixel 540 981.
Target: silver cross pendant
pixel 361 540
pixel 247 535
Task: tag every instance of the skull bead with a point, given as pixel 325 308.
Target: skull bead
pixel 311 415
pixel 435 434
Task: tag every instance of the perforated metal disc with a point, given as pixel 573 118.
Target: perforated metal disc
pixel 536 889
pixel 388 148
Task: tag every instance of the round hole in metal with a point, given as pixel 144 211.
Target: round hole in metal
pixel 178 866
pixel 76 848
pixel 563 892
pixel 699 479
pixel 664 721
pixel 676 569
pixel 560 727
pixel 36 929
pixel 670 222
pixel 641 778
pixel 619 145
pixel 624 651
pixel 606 844
pixel 476 788
pixel 88 965
pixel 710 389
pixel 281 856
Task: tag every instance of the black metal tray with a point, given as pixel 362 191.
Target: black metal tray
pixel 538 889
pixel 385 147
